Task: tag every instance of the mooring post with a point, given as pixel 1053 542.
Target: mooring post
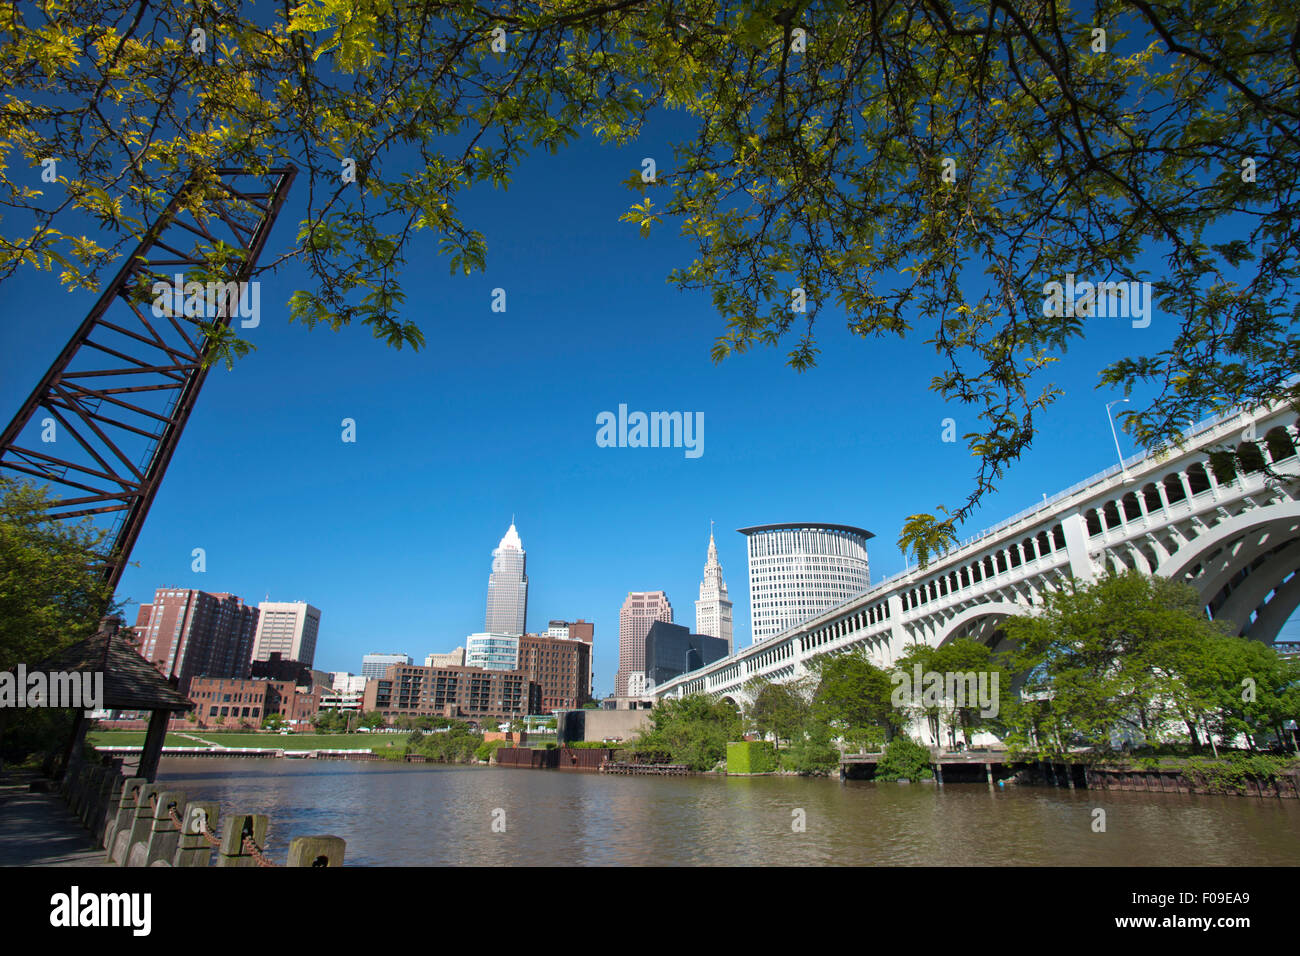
pixel 124 814
pixel 137 830
pixel 237 826
pixel 192 846
pixel 160 847
pixel 316 851
pixel 108 806
pixel 988 773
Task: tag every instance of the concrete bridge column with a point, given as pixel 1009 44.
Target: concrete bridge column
pixel 1076 546
pixel 1164 497
pixel 1216 491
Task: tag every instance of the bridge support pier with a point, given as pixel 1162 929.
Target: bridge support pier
pixel 988 774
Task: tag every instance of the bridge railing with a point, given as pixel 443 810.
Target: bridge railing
pixel 1196 431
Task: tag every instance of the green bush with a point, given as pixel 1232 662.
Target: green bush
pixel 904 759
pixel 487 748
pixel 457 745
pixel 750 756
pixel 693 730
pixel 1231 772
pixel 811 752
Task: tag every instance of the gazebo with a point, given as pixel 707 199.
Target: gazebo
pixel 130 683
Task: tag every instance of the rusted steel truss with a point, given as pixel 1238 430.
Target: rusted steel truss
pixel 103 423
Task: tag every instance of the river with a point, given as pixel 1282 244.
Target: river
pixel 431 815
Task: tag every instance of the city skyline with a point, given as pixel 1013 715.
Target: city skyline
pixel 388 523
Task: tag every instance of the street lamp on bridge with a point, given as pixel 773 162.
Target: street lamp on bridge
pixel 1110 418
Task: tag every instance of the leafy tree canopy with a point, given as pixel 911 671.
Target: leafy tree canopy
pixel 1133 655
pixel 51 595
pixel 911 167
pixel 853 696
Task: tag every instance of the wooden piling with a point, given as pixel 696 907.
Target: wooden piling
pixel 238 825
pixel 316 851
pixel 192 847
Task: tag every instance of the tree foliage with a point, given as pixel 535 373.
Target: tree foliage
pixel 51 593
pixel 1133 657
pixel 780 710
pixel 958 709
pixel 903 759
pixel 694 730
pixel 853 697
pixel 916 167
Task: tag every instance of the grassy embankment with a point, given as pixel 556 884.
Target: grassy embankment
pixel 271 741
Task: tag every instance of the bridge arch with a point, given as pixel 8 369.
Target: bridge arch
pixel 980 621
pixel 1243 565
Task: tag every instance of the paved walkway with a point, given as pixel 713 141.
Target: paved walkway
pixel 38 829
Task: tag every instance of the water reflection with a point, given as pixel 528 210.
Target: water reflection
pixel 419 815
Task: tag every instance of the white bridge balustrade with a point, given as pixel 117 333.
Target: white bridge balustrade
pixel 1232 532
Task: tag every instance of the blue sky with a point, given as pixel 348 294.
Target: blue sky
pixel 391 536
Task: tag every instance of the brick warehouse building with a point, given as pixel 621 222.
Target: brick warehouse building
pixel 560 667
pixel 225 702
pixel 464 692
pixel 187 633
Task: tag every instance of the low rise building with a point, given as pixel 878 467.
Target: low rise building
pixel 231 702
pixel 457 692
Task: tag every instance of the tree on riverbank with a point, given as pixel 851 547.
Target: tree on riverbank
pixel 694 730
pixel 51 596
pixel 853 698
pixel 965 669
pixel 457 744
pixel 780 710
pixel 1134 657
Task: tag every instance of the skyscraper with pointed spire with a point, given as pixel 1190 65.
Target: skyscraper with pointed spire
pixel 713 609
pixel 507 600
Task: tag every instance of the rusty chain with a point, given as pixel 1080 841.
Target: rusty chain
pixel 247 844
pixel 205 832
pixel 253 850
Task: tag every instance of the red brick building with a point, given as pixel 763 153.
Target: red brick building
pixel 226 702
pixel 560 667
pixel 187 633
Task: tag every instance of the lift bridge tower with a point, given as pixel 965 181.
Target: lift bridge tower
pixel 103 422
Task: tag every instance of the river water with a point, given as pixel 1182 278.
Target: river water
pixel 424 815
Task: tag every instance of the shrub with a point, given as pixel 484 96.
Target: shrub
pixel 904 759
pixel 811 752
pixel 487 748
pixel 1231 772
pixel 750 756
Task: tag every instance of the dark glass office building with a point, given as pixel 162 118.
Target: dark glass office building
pixel 672 650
